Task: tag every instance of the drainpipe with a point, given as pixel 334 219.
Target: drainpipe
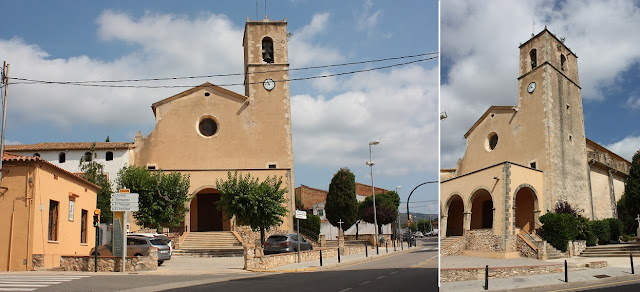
pixel 593 214
pixel 612 191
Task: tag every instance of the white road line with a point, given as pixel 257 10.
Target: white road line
pixel 393 273
pixel 343 290
pixel 364 283
pixel 28 282
pixel 22 285
pixel 380 277
pixel 18 289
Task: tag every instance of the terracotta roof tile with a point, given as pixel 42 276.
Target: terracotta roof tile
pixel 68 146
pixel 12 157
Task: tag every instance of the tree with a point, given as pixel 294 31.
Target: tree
pixel 257 204
pixel 386 209
pixel 309 227
pixel 424 225
pixel 94 173
pixel 162 196
pixel 341 202
pixel 629 204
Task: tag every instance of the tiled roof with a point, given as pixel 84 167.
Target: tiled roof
pixel 69 146
pixel 11 157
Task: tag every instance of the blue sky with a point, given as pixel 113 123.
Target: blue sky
pixel 333 118
pixel 480 64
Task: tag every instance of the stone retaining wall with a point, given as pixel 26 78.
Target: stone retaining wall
pixel 253 260
pixel 110 264
pixel 455 248
pixel 525 250
pixel 466 274
pixel 576 247
pixel 485 240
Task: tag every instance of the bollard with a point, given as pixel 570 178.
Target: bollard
pixel 394 246
pixel 338 255
pixel 401 245
pixel 486 278
pixel 386 246
pixel 632 269
pixel 321 258
pixel 366 251
pixel 566 275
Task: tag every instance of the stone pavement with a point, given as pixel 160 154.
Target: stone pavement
pixel 578 275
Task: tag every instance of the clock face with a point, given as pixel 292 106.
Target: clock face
pixel 269 84
pixel 531 87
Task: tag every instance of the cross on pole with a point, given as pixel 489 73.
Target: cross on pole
pixel 638 219
pixel 340 223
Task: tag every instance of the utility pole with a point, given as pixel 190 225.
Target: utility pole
pixel 5 84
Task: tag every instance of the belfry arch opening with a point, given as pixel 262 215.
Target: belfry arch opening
pixel 525 208
pixel 267 50
pixel 481 210
pixel 533 56
pixel 455 216
pixel 205 215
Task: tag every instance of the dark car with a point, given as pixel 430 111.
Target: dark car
pixel 281 243
pixel 138 246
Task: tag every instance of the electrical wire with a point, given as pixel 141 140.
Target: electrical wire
pixel 83 83
pixel 232 74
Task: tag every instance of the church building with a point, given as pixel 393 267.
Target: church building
pixel 521 160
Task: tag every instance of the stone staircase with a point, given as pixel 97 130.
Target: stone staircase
pixel 612 250
pixel 210 244
pixel 552 253
pixel 448 240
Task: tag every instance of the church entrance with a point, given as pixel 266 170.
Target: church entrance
pixel 525 209
pixel 205 215
pixel 481 210
pixel 455 216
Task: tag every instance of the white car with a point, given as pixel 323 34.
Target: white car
pixel 419 234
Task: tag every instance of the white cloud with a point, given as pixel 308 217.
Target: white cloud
pixel 480 41
pixel 633 102
pixel 626 147
pixel 367 19
pixel 305 51
pixel 398 107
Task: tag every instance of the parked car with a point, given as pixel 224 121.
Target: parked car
pixel 156 235
pixel 138 246
pixel 281 243
pixel 419 234
pixel 408 236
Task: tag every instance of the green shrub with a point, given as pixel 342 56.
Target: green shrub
pixel 309 227
pixel 602 230
pixel 591 238
pixel 626 238
pixel 615 227
pixel 558 229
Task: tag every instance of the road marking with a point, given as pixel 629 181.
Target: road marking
pixel 364 283
pixel 343 290
pixel 393 273
pixel 594 286
pixel 380 277
pixel 30 283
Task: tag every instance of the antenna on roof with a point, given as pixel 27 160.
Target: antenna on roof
pixel 533 30
pixel 265 9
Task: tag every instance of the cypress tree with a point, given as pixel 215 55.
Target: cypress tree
pixel 341 200
pixel 629 204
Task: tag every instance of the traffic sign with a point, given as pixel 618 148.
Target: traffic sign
pixel 121 202
pixel 301 214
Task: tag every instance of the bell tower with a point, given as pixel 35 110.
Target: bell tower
pixel 550 97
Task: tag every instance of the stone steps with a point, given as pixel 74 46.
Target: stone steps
pixel 448 240
pixel 210 244
pixel 612 250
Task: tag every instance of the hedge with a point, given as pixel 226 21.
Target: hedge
pixel 558 229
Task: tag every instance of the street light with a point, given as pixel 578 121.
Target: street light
pixel 373 193
pixel 424 183
pixel 397 229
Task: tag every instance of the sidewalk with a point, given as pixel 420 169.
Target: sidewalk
pixel 578 275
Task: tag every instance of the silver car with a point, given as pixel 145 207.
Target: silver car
pixel 138 246
pixel 281 243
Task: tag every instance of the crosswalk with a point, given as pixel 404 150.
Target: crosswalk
pixel 32 282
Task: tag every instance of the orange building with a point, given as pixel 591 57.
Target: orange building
pixel 45 212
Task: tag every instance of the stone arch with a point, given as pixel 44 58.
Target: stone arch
pixel 481 207
pixel 204 214
pixel 533 57
pixel 454 211
pixel 267 50
pixel 526 208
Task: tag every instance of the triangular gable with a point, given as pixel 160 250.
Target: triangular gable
pixel 206 85
pixel 491 109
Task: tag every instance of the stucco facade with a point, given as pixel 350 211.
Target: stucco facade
pixel 45 213
pixel 521 160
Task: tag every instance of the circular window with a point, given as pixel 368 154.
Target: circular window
pixel 208 127
pixel 492 141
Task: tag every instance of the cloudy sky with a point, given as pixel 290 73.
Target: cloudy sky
pixel 333 118
pixel 479 45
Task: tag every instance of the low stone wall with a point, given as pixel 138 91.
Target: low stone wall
pixel 110 264
pixel 37 261
pixel 525 249
pixel 466 274
pixel 576 247
pixel 370 237
pixel 253 260
pixel 485 240
pixel 249 236
pixel 455 248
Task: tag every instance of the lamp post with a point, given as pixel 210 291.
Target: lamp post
pixel 424 183
pixel 397 229
pixel 373 193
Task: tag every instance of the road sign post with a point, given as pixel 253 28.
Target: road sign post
pixel 300 215
pixel 124 202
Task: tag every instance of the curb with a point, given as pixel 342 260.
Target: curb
pixel 331 266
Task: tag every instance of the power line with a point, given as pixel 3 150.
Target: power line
pixel 31 81
pixel 222 75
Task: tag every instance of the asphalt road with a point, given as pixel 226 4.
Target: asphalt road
pixel 415 270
